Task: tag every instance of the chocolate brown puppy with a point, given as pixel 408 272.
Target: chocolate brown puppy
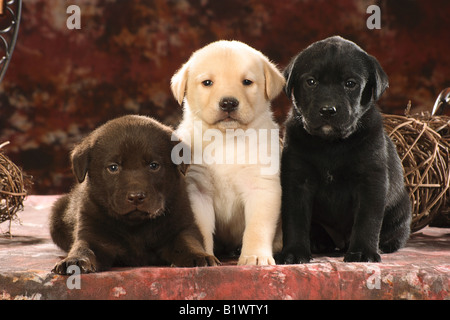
pixel 130 207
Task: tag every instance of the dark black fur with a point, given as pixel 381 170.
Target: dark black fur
pixel 130 207
pixel 342 179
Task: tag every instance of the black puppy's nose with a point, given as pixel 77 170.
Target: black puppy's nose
pixel 136 198
pixel 228 104
pixel 327 111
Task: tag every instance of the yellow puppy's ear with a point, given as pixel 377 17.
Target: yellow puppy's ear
pixel 179 81
pixel 274 80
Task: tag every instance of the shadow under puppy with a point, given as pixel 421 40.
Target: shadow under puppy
pixel 130 207
pixel 342 179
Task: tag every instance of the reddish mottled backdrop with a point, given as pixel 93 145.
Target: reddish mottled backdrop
pixel 63 83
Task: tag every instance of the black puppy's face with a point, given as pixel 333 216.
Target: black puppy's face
pixel 332 83
pixel 129 168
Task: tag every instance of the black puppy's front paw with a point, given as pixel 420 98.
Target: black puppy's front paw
pixel 293 257
pixel 360 256
pixel 83 263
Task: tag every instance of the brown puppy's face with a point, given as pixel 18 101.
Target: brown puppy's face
pixel 227 84
pixel 129 168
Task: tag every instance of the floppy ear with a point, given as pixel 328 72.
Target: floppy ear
pixel 289 79
pixel 381 79
pixel 181 161
pixel 178 82
pixel 183 167
pixel 80 158
pixel 274 80
pixel 378 81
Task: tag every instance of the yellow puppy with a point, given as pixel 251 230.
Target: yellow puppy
pixel 233 181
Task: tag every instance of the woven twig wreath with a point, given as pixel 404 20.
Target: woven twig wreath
pixel 423 145
pixel 13 184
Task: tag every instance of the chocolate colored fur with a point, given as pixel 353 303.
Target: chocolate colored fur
pixel 130 207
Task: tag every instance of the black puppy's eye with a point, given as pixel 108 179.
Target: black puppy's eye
pixel 113 168
pixel 207 83
pixel 350 84
pixel 154 166
pixel 247 82
pixel 311 82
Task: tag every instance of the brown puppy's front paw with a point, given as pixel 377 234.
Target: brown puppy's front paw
pixel 85 264
pixel 212 261
pixel 196 260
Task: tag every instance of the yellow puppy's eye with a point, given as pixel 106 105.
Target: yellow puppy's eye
pixel 207 83
pixel 247 82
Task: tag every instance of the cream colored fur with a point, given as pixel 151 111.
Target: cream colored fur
pixel 233 203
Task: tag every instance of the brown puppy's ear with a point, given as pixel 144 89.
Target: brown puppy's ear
pixel 80 157
pixel 274 80
pixel 183 167
pixel 180 153
pixel 178 83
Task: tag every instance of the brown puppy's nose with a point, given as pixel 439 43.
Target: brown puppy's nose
pixel 136 198
pixel 228 104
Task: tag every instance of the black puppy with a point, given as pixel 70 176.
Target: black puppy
pixel 342 179
pixel 130 207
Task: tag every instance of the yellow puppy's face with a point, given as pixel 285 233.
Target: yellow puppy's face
pixel 227 84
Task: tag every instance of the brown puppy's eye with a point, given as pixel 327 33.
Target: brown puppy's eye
pixel 113 168
pixel 207 83
pixel 247 82
pixel 154 166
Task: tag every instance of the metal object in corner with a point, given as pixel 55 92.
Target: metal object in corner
pixel 443 100
pixel 9 28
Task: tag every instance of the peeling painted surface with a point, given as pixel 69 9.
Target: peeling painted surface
pixel 419 271
pixel 118 291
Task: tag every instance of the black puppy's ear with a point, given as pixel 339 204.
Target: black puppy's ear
pixel 378 81
pixel 381 79
pixel 287 73
pixel 80 159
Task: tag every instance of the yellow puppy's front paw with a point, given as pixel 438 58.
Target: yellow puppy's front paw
pixel 254 260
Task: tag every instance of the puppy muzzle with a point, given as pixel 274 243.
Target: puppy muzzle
pixel 135 205
pixel 228 115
